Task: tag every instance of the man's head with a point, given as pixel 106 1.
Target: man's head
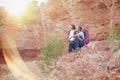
pixel 73 27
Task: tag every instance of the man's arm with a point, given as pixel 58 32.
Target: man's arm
pixel 67 31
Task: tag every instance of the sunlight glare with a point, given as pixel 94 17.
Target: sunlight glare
pixel 16 7
pixel 17 67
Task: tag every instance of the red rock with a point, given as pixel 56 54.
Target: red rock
pixel 88 64
pixel 100 75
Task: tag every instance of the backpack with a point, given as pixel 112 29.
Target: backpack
pixel 86 35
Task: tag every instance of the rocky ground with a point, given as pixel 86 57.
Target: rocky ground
pixel 92 62
pixel 88 64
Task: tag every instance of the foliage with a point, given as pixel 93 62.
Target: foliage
pixel 115 41
pixel 52 51
pixel 117 47
pixel 117 30
pixel 113 36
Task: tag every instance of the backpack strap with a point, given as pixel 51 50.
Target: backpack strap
pixel 81 38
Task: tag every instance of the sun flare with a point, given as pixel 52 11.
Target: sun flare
pixel 16 7
pixel 15 10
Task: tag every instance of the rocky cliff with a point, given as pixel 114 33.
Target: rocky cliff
pixel 92 14
pixel 97 16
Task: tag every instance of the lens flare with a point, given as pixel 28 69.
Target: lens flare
pixel 14 61
pixel 16 7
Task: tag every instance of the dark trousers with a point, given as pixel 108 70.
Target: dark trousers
pixel 76 42
pixel 81 43
pixel 71 46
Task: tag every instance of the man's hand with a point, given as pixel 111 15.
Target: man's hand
pixel 58 25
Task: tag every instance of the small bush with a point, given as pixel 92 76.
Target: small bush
pixel 52 51
pixel 117 48
pixel 113 36
pixel 115 40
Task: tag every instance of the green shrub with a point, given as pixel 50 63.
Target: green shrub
pixel 52 51
pixel 113 36
pixel 117 48
pixel 114 39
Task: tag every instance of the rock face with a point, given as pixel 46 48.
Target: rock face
pixel 88 64
pixel 93 15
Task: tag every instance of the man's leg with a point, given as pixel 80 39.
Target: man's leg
pixel 73 45
pixel 76 43
pixel 69 47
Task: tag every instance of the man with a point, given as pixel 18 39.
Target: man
pixel 71 41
